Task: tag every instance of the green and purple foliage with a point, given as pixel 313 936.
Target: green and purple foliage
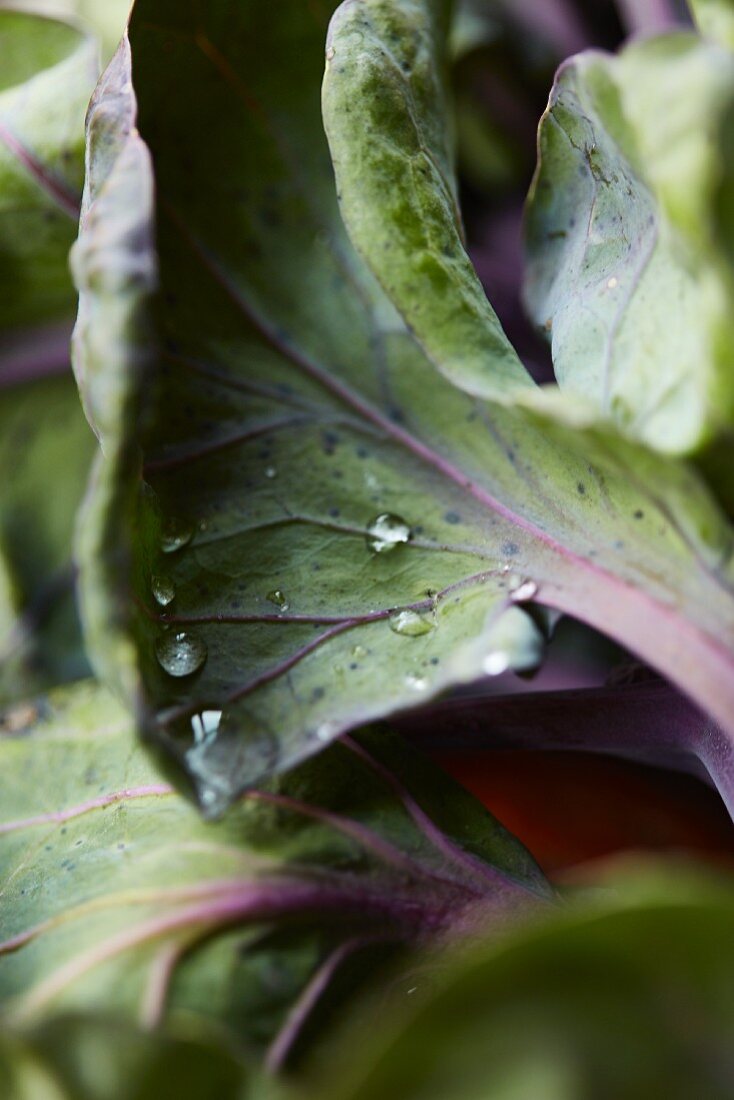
pixel 383 392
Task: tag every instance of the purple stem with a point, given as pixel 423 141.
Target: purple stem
pixel 250 902
pixel 456 855
pixel 650 722
pixel 284 1041
pixel 55 188
pixel 355 830
pixel 57 816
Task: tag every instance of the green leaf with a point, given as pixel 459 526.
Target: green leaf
pixel 626 270
pixel 105 17
pixel 629 996
pixel 715 19
pixel 385 78
pixel 289 407
pixel 119 898
pixel 49 69
pixel 75 1057
pixel 46 449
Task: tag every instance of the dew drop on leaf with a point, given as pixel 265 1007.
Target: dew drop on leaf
pixel 205 725
pixel 496 663
pixel 278 598
pixel 524 590
pixel 179 653
pixel 416 682
pixel 410 623
pixel 175 534
pixel 271 472
pixel 163 588
pixel 327 731
pixel 385 532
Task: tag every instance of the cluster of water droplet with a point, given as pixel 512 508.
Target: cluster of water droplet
pixel 180 653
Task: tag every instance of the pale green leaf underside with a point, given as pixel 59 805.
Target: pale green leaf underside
pixel 290 406
pixel 625 271
pixel 386 115
pixel 118 897
pixel 715 19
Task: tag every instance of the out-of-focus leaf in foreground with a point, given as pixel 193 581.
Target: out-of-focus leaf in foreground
pixel 49 69
pixel 625 997
pixel 324 511
pixel 626 271
pixel 119 898
pixel 76 1057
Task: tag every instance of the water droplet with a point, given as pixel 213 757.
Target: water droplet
pixel 175 534
pixel 416 682
pixel 385 532
pixel 163 588
pixel 330 53
pixel 413 989
pixel 205 725
pixel 496 663
pixel 278 598
pixel 410 623
pixel 180 654
pixel 613 282
pixel 359 651
pixel 523 591
pixel 327 731
pixel 271 472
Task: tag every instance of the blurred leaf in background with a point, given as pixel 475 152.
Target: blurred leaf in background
pixel 106 18
pixel 49 71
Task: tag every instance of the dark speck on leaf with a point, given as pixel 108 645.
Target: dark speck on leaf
pixel 329 442
pixel 510 548
pixel 452 517
pixel 639 514
pixel 334 512
pixel 581 488
pixel 317 693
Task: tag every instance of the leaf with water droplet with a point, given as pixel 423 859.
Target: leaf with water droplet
pixel 180 653
pixel 385 532
pixel 235 335
pixel 279 599
pixel 163 589
pixel 175 534
pixel 410 623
